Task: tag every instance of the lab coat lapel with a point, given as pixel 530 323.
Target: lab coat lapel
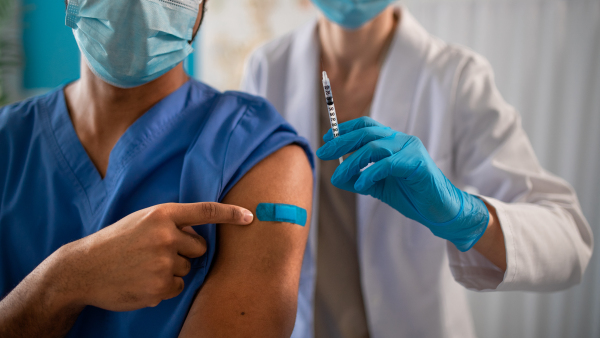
pixel 400 74
pixel 301 112
pixel 301 82
pixel 392 106
pixel 394 95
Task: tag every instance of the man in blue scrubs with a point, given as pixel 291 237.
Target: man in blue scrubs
pixel 111 186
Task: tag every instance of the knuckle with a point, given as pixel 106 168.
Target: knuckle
pixel 164 263
pixel 161 285
pixel 416 140
pixel 176 288
pixel 158 212
pixel 201 242
pixel 187 266
pixel 365 119
pixel 235 213
pixel 372 146
pixel 209 210
pixel 200 246
pixel 166 237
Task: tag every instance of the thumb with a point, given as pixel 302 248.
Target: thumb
pixel 187 214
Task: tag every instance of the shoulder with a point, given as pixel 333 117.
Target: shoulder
pixel 226 109
pixel 447 60
pixel 276 53
pixel 231 110
pixel 21 132
pixel 258 126
pixel 20 113
pixel 21 121
pixel 242 130
pixel 244 106
pixel 274 50
pixel 439 60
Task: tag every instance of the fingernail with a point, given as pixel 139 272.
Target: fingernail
pixel 248 216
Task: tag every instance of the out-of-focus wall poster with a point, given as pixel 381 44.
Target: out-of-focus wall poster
pixel 232 29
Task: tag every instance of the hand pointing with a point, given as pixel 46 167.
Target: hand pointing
pixel 140 260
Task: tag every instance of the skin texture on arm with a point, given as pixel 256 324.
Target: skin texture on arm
pixel 491 244
pixel 252 288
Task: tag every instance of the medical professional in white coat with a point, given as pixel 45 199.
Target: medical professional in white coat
pixel 456 195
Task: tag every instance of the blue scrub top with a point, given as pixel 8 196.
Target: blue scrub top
pixel 192 146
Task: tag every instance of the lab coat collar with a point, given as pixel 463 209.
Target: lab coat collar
pixel 303 73
pixel 399 75
pixel 392 103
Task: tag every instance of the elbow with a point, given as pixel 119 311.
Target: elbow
pixel 581 266
pixel 573 273
pixel 580 262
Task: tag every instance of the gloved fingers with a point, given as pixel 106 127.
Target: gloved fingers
pixel 346 127
pixel 377 172
pixel 371 152
pixel 401 165
pixel 347 185
pixel 352 141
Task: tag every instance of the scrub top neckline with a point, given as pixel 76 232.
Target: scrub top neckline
pixel 137 136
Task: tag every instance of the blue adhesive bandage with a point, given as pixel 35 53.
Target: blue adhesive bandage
pixel 271 212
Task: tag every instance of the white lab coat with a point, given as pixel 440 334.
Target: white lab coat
pixel 446 96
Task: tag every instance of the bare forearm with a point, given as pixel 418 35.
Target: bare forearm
pixel 36 308
pixel 491 244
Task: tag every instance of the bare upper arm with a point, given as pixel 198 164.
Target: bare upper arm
pixel 252 288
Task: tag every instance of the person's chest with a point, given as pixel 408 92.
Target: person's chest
pixel 49 203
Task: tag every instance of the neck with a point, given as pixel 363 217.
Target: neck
pixel 101 113
pixel 97 105
pixel 348 50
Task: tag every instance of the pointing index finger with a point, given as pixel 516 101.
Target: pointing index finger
pixel 188 214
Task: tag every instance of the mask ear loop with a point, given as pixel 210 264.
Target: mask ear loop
pixel 204 9
pixel 72 14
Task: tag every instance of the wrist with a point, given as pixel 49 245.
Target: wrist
pixel 60 280
pixel 491 244
pixel 471 224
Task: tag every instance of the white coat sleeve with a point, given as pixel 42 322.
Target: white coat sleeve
pixel 548 240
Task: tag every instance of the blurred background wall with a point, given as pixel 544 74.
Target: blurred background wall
pixel 546 55
pixel 37 51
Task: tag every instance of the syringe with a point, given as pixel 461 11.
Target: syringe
pixel 331 108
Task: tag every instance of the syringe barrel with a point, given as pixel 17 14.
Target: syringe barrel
pixel 330 106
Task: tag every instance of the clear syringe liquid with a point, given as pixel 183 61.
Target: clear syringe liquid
pixel 331 108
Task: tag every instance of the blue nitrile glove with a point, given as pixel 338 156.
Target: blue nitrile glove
pixel 405 177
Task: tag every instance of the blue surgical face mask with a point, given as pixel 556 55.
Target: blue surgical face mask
pixel 128 43
pixel 351 14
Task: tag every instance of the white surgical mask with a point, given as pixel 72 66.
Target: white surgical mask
pixel 128 43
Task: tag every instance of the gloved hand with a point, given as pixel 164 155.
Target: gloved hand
pixel 405 177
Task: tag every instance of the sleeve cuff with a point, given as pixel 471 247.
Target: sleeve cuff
pixel 475 272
